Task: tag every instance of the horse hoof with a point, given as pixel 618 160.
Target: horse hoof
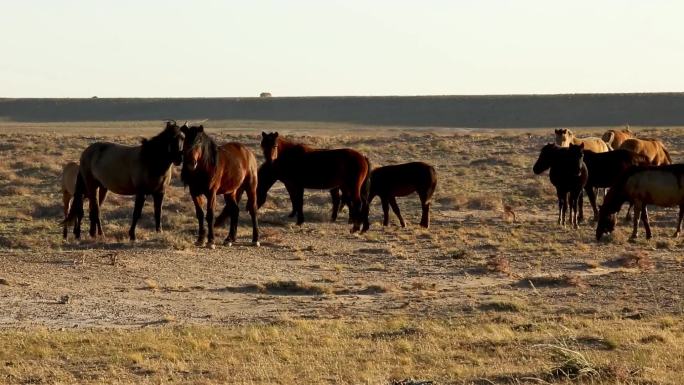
pixel 211 246
pixel 227 243
pixel 256 244
pixel 199 243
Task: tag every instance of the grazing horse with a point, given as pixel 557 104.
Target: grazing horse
pixel 209 169
pixel 615 138
pixel 399 180
pixel 299 166
pixel 565 138
pixel 652 149
pixel 69 176
pixel 604 168
pixel 661 186
pixel 126 170
pixel 568 174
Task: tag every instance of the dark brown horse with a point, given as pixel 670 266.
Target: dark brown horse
pixel 209 170
pixel 399 180
pixel 126 170
pixel 660 186
pixel 299 166
pixel 568 174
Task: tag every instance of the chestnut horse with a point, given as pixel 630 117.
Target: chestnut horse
pixel 661 186
pixel 299 166
pixel 126 170
pixel 653 149
pixel 210 169
pixel 568 174
pixel 615 138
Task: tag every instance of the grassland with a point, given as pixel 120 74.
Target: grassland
pixel 480 298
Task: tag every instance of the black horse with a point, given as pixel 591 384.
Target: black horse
pixel 568 174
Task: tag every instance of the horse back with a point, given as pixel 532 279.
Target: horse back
pixel 236 165
pixel 661 186
pixel 323 169
pixel 403 179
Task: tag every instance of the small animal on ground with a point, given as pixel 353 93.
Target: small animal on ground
pixel 69 176
pixel 565 137
pixel 126 170
pixel 210 170
pixel 614 138
pixel 661 186
pixel 299 166
pixel 568 174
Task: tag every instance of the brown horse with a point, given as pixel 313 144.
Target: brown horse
pixel 400 180
pixel 210 169
pixel 565 138
pixel 652 149
pixel 126 170
pixel 299 166
pixel 615 138
pixel 661 186
pixel 69 176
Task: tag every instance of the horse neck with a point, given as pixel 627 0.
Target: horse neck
pixel 615 198
pixel 286 147
pixel 157 165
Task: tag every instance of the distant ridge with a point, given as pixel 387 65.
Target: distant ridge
pixel 486 111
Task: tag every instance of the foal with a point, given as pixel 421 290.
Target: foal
pixel 568 174
pixel 210 169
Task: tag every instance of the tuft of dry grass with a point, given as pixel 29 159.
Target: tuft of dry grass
pixel 499 264
pixel 565 280
pixel 638 260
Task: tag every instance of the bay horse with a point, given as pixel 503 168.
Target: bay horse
pixel 604 168
pixel 568 174
pixel 209 170
pixel 299 166
pixel 565 137
pixel 661 186
pixel 126 170
pixel 69 176
pixel 400 180
pixel 615 138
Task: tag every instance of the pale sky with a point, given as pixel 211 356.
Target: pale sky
pixel 203 48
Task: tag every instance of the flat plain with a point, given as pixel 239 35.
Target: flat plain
pixel 493 293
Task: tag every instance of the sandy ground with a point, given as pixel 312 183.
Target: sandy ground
pixel 472 258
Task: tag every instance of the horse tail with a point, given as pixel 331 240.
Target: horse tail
pixel 76 209
pixel 366 186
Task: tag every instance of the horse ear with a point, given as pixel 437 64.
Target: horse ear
pixel 263 134
pixel 275 134
pixel 581 146
pixel 200 128
pixel 557 131
pixel 184 129
pixel 143 141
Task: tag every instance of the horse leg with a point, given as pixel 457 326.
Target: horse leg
pixel 291 191
pixel 197 201
pixel 252 209
pixel 628 217
pixel 575 199
pixel 231 210
pixel 158 199
pixel 94 214
pixel 679 221
pixel 425 207
pixel 102 195
pixel 66 200
pixel 365 213
pixel 591 194
pixel 335 195
pixel 211 204
pixel 298 203
pixel 385 210
pixel 647 224
pixel 579 207
pixel 137 211
pixel 637 215
pixel 395 208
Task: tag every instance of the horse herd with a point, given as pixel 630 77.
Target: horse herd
pixel 209 169
pixel 635 170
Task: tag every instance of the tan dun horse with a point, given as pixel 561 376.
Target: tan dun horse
pixel 69 176
pixel 565 137
pixel 210 170
pixel 299 166
pixel 652 149
pixel 615 138
pixel 126 170
pixel 661 186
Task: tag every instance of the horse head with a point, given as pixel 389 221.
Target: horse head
pixel 192 148
pixel 546 156
pixel 564 137
pixel 606 222
pixel 269 145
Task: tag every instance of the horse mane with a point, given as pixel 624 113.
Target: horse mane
pixel 287 144
pixel 209 150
